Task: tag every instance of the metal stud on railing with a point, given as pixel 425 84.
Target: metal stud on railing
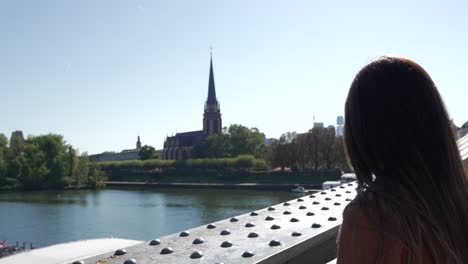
pixel 315 225
pixel 196 255
pixel 248 254
pixel 299 200
pixel 274 243
pixel 198 241
pixel 310 214
pixel 130 261
pixel 155 242
pixel 327 199
pixel 226 244
pixel 120 252
pixel 234 219
pixel 323 193
pixel 167 250
pixel 336 204
pixel 269 218
pixel 338 195
pixel 249 225
pixel 348 199
pixel 312 196
pixel 333 190
pixel 253 214
pixel 342 187
pixel 286 213
pixel 210 226
pixel 324 208
pixel 271 208
pixel 184 234
pixel 274 227
pixel 294 220
pixel 225 232
pixel 315 202
pixel 348 191
pixel 252 235
pixel 296 234
pixel 286 204
pixel 302 207
pixel 331 218
pixel 78 262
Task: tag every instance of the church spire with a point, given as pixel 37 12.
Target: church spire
pixel 212 122
pixel 211 84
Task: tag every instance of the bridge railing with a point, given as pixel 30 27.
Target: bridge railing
pixel 302 230
pixel 463 147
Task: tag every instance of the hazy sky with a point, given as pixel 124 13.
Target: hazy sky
pixel 101 72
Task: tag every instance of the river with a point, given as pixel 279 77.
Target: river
pixel 50 217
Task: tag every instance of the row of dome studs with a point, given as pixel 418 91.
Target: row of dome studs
pixel 199 254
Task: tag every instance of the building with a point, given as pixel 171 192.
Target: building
pixel 463 130
pixel 318 125
pixel 126 154
pixel 180 146
pixel 17 142
pixel 339 126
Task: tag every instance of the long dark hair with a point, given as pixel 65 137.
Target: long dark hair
pixel 400 143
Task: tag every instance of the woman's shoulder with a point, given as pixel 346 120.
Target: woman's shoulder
pixel 369 211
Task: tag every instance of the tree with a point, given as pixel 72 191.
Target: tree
pixel 327 147
pixel 284 152
pixel 147 152
pixel 3 150
pixel 314 138
pixel 215 146
pixel 95 178
pixel 54 151
pixel 234 141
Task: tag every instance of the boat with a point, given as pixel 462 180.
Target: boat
pixel 299 189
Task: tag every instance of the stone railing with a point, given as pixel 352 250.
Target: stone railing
pixel 302 230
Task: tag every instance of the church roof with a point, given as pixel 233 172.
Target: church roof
pixel 187 139
pixel 211 84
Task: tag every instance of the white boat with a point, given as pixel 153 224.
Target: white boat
pixel 299 189
pixel 330 184
pixel 348 177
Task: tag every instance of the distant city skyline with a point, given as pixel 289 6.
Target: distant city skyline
pixel 102 73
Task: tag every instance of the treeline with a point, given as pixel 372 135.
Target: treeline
pixel 45 162
pixel 319 148
pixel 234 141
pixel 223 166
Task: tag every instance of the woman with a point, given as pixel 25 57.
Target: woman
pixel 412 202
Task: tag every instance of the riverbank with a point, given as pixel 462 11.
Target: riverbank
pixel 219 185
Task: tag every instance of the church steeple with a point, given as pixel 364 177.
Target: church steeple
pixel 138 144
pixel 211 84
pixel 212 116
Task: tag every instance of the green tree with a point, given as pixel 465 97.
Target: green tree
pixel 215 146
pixel 234 141
pixel 147 152
pixel 82 170
pixel 54 152
pixel 3 162
pixel 245 141
pixel 95 177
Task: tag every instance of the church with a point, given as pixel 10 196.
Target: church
pixel 179 147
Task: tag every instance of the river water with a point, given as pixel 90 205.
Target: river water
pixel 50 217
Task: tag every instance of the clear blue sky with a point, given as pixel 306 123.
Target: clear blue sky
pixel 102 72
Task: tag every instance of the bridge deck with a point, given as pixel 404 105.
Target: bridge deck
pixel 277 234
